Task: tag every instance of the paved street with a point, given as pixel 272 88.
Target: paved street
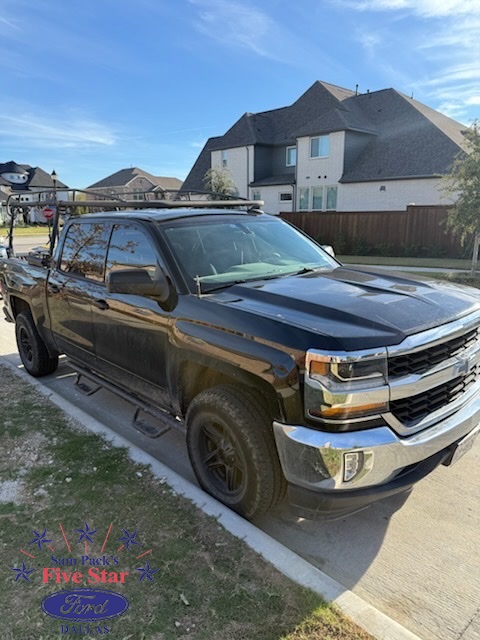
pixel 23 244
pixel 419 564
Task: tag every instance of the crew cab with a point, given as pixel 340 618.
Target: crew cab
pixel 288 372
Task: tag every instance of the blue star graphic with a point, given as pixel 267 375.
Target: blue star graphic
pixel 128 538
pixel 22 573
pixel 85 534
pixel 147 572
pixel 40 538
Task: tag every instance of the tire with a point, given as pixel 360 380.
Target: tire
pixel 33 352
pixel 232 450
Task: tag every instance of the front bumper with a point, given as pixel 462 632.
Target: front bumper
pixel 315 460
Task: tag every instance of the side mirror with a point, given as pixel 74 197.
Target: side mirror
pixel 138 282
pixel 329 249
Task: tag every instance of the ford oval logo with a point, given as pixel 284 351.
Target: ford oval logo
pixel 86 605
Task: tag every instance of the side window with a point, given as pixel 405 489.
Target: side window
pixel 85 249
pixel 130 248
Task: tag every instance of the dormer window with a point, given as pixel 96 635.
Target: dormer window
pixel 291 156
pixel 320 147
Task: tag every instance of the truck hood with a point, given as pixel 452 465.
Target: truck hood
pixel 357 308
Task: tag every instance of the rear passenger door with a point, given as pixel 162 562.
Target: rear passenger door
pixel 131 338
pixel 76 286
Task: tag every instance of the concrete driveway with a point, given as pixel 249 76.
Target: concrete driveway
pixel 418 562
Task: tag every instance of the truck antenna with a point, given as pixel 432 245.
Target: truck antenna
pixel 199 286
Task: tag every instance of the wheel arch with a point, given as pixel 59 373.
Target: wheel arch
pixel 18 305
pixel 195 377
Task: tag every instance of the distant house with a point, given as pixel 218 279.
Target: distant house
pixel 337 150
pixel 135 184
pixel 26 183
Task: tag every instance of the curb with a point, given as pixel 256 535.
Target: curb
pixel 283 559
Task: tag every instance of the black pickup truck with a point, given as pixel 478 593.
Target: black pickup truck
pixel 288 371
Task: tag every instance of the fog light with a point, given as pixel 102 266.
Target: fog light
pixel 352 465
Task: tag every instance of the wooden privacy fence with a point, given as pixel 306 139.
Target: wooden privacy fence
pixel 416 231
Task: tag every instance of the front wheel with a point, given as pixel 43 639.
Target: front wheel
pixel 33 351
pixel 232 450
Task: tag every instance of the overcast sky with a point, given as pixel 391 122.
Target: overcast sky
pixel 93 86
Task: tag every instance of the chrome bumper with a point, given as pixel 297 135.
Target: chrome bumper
pixel 316 460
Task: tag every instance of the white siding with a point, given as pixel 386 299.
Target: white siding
pixel 271 197
pixel 239 165
pixel 367 196
pixel 320 172
pixel 326 172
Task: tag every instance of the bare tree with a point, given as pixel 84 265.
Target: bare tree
pixel 220 183
pixel 463 184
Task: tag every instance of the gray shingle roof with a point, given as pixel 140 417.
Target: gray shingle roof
pixel 13 167
pixel 40 178
pixel 408 145
pixel 407 138
pixel 37 177
pixel 124 176
pixel 194 180
pixel 284 178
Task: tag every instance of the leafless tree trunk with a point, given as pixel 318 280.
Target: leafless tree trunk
pixel 476 244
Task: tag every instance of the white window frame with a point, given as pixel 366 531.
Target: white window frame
pixel 285 193
pixel 314 208
pixel 224 156
pixel 288 150
pixel 332 187
pixel 320 155
pixel 307 190
pixel 256 194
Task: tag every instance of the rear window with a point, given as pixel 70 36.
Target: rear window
pixel 85 249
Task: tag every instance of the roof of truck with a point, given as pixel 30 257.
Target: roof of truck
pixel 162 215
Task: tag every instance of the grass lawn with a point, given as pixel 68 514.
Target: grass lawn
pixel 458 278
pixel 25 231
pixel 69 499
pixel 441 263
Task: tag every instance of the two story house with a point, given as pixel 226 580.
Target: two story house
pixel 27 184
pixel 135 184
pixel 337 150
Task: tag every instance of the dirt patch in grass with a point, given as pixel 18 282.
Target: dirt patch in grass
pixel 70 502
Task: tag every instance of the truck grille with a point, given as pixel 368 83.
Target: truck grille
pixel 413 409
pixel 420 361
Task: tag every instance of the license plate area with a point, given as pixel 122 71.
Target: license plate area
pixel 461 447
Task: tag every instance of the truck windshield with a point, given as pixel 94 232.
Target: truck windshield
pixel 223 251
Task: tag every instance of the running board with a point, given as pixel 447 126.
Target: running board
pixel 84 387
pixel 151 430
pixel 153 424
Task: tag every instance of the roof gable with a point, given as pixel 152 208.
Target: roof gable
pixel 124 177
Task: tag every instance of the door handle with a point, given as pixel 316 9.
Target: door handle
pixel 101 304
pixel 54 288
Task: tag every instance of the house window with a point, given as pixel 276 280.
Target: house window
pixel 331 198
pixel 317 198
pixel 291 156
pixel 224 159
pixel 138 194
pixel 320 147
pixel 256 195
pixel 285 197
pixel 303 198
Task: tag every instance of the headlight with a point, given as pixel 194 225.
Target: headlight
pixel 342 386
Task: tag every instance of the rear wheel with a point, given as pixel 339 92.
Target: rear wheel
pixel 232 450
pixel 33 352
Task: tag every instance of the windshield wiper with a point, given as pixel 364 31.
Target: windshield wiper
pixel 302 271
pixel 273 276
pixel 225 285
